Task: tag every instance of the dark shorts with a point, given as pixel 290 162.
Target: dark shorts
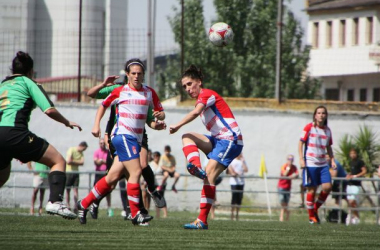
pixel 171 174
pixel 237 194
pixel 283 195
pixel 98 177
pixel 72 180
pixel 20 144
pixel 336 189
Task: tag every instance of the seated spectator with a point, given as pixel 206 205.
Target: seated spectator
pixel 168 165
pixel 284 186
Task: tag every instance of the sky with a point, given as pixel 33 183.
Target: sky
pixel 137 10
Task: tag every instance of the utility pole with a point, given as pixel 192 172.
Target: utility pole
pixel 79 51
pixel 279 51
pixel 149 45
pixel 182 43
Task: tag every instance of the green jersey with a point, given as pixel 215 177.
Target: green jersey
pixel 104 92
pixel 19 95
pixel 38 167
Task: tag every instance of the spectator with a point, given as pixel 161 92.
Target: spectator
pixel 40 182
pixel 157 170
pixel 284 186
pixel 237 169
pixel 150 155
pixel 168 165
pixel 357 169
pixel 100 161
pixel 74 159
pixel 341 173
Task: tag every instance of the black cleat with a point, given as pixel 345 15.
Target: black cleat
pixel 82 213
pixel 157 198
pixel 141 218
pixel 94 210
pixel 317 217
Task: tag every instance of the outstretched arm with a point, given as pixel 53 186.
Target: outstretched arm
pixel 98 118
pixel 55 115
pixel 109 81
pixel 188 118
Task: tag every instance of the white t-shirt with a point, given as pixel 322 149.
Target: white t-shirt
pixel 237 166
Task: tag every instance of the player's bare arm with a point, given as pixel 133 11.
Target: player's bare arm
pixel 160 115
pixel 331 154
pixel 188 118
pixel 99 115
pixel 57 116
pixel 109 81
pixel 300 149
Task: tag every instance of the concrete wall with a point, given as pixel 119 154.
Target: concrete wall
pixel 271 133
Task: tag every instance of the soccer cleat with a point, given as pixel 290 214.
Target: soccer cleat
pixel 313 220
pixel 197 224
pixel 157 198
pixel 196 171
pixel 141 218
pixel 174 189
pixel 58 208
pixel 317 217
pixel 144 224
pixel 94 209
pixel 82 213
pixel 128 217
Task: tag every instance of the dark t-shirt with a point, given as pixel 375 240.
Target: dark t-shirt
pixel 356 168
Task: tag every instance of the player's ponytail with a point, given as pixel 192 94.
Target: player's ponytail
pixel 315 112
pixel 22 63
pixel 193 72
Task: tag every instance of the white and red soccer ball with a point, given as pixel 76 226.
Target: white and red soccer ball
pixel 220 34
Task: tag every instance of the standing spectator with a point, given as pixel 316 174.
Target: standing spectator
pixel 157 170
pixel 168 165
pixel 341 173
pixel 74 159
pixel 357 169
pixel 40 182
pixel 100 160
pixel 284 186
pixel 237 169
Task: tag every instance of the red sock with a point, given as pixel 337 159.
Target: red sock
pixel 321 199
pixel 310 204
pixel 192 154
pixel 133 191
pixel 207 199
pixel 100 189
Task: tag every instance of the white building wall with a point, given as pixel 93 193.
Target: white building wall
pixel 350 59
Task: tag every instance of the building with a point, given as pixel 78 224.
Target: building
pixel 48 30
pixel 345 54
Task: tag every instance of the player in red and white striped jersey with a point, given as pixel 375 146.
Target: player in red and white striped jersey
pixel 224 144
pixel 315 143
pixel 133 100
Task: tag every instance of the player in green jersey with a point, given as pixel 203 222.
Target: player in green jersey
pixel 19 95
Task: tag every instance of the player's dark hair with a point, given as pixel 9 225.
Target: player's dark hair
pixel 315 112
pixel 193 72
pixel 133 61
pixel 22 63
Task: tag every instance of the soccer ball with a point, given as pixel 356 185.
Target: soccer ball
pixel 220 34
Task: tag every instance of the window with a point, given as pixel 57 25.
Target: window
pixel 315 34
pixel 342 33
pixel 376 95
pixel 363 95
pixel 329 34
pixel 369 30
pixel 332 94
pixel 355 31
pixel 350 95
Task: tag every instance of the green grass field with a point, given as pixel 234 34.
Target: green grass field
pixel 52 232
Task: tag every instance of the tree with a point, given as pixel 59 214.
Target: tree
pixel 246 67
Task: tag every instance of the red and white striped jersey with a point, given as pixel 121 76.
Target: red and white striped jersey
pixel 316 139
pixel 218 118
pixel 132 109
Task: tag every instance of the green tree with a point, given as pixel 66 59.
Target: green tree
pixel 246 67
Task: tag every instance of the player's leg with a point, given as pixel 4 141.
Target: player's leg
pixel 5 171
pixel 57 180
pixel 325 180
pixel 192 142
